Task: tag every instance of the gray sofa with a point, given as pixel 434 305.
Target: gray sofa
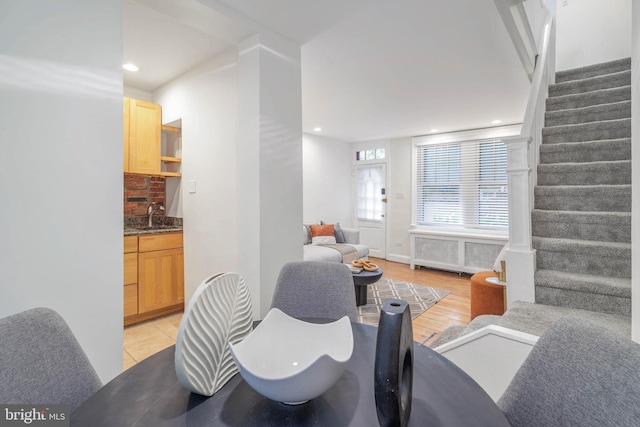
pixel 320 253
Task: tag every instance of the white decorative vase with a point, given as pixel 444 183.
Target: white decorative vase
pixel 219 313
pixel 292 361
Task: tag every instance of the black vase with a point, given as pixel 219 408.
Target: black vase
pixel 394 364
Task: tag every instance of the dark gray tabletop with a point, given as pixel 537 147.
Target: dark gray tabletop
pixel 148 394
pixel 367 277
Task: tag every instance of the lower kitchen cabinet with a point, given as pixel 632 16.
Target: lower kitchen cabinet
pixel 154 276
pixel 130 276
pixel 160 279
pixel 130 300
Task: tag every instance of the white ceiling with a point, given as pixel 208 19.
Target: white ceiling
pixel 371 69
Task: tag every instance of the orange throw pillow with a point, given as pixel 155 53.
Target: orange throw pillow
pixel 323 234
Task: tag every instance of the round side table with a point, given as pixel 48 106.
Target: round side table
pixel 361 280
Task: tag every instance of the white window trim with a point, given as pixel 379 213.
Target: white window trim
pixel 499 132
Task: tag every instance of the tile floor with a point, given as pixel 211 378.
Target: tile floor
pixel 147 338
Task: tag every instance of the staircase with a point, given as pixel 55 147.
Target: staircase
pixel 582 212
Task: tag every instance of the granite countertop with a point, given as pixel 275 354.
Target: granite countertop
pixel 130 231
pixel 137 225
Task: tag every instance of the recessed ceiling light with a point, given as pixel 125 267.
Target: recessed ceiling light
pixel 317 129
pixel 433 130
pixel 130 67
pixel 495 122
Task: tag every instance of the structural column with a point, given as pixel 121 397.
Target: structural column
pixel 269 162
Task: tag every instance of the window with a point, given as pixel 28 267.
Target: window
pixel 462 185
pixel 376 154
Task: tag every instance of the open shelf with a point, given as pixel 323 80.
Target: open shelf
pixel 170 128
pixel 170 174
pixel 171 149
pixel 168 159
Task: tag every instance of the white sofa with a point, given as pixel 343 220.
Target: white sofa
pixel 320 253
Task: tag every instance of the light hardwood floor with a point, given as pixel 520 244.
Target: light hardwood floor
pixel 147 338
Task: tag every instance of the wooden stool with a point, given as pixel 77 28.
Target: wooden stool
pixel 486 298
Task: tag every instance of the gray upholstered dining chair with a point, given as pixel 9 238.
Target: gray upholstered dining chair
pixel 41 362
pixel 577 374
pixel 315 290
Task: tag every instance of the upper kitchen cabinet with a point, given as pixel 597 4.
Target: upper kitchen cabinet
pixel 149 147
pixel 142 134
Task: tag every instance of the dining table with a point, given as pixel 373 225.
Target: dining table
pixel 149 394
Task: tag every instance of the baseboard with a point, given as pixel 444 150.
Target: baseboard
pixel 404 259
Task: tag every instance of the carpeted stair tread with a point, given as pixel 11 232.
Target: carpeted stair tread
pixel 594 113
pixel 581 100
pixel 593 247
pixel 592 173
pixel 594 70
pixel 582 291
pixel 597 226
pixel 604 285
pixel 536 318
pixel 583 198
pixel 583 256
pixel 589 151
pixel 590 84
pixel 607 129
pixel 568 298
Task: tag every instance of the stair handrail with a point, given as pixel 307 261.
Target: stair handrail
pixel 518 25
pixel 542 78
pixel 522 162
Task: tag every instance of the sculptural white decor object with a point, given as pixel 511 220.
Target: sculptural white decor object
pixel 291 361
pixel 219 313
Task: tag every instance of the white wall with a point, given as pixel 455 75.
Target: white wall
pixel 206 99
pixel 61 176
pixel 327 191
pixel 399 196
pixel 135 93
pixel 592 31
pixel 635 156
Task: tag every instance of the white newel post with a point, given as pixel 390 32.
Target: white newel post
pixel 520 256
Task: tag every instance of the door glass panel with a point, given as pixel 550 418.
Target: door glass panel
pixel 369 193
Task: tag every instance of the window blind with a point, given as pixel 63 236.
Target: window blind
pixel 462 184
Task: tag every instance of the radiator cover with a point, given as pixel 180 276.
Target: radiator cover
pixel 454 252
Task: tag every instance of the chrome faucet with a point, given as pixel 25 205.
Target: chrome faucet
pixel 151 209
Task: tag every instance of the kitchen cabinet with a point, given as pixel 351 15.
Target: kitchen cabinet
pixel 160 272
pixel 142 136
pixel 130 276
pixel 150 148
pixel 153 276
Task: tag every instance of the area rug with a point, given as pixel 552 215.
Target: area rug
pixel 419 297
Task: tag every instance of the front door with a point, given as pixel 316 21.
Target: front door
pixel 371 199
